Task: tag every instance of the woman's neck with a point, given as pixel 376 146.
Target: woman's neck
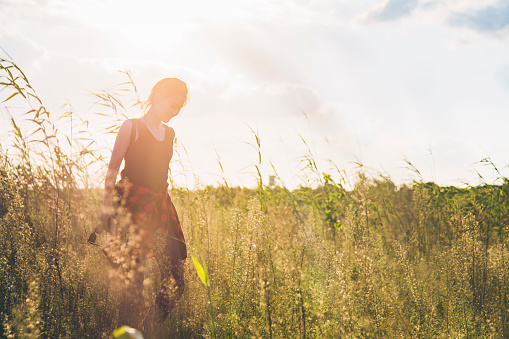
pixel 151 119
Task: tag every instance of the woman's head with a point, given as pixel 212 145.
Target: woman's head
pixel 167 97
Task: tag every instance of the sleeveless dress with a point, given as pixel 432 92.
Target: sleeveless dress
pixel 143 194
pixel 144 187
pixel 147 160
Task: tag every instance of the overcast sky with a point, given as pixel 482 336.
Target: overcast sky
pixel 379 81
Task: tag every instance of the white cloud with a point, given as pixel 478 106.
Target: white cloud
pixel 391 10
pixel 489 19
pixel 483 16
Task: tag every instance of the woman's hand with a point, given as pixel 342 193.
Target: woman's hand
pixel 108 221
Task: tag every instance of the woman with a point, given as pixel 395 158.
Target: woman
pixel 146 146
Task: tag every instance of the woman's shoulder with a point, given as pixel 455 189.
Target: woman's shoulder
pixel 128 123
pixel 126 126
pixel 127 129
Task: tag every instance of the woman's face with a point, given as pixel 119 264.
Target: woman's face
pixel 167 108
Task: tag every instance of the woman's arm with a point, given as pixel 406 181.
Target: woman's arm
pixel 119 150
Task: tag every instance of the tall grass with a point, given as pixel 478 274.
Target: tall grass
pixel 319 261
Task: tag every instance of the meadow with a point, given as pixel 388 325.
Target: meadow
pixel 375 260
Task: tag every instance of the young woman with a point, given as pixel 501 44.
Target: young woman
pixel 146 146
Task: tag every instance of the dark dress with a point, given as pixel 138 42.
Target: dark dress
pixel 147 160
pixel 144 194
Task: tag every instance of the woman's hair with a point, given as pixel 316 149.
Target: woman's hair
pixel 168 87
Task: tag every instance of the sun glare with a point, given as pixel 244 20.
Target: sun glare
pixel 152 22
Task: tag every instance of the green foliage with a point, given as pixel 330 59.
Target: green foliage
pixel 126 332
pixel 201 270
pixel 204 277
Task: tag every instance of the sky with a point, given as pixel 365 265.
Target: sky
pixel 370 82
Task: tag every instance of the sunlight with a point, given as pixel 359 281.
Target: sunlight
pixel 339 169
pixel 153 22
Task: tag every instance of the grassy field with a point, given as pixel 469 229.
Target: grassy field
pixel 376 260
